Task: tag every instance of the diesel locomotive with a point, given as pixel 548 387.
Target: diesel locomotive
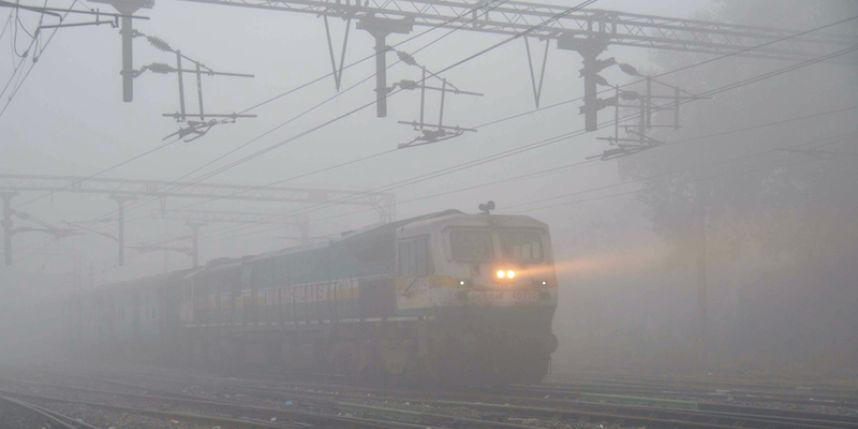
pixel 446 297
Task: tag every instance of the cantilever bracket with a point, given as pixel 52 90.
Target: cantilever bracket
pixel 536 84
pixel 337 69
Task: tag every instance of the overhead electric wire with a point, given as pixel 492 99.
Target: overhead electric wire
pixel 374 155
pixel 686 67
pixel 483 7
pixel 373 102
pixel 497 3
pixel 6 25
pixel 385 152
pixel 147 152
pixel 836 140
pixel 378 154
pixel 269 148
pixel 35 57
pixel 109 168
pixel 303 113
pixel 552 140
pixel 563 167
pixel 682 68
pixel 15 70
pixel 324 124
pixel 619 194
pixel 696 138
pixel 561 137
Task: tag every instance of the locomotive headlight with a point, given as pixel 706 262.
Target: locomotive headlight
pixel 506 274
pixel 544 283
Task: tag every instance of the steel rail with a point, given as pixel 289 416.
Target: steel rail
pixel 738 393
pixel 51 418
pixel 703 415
pixel 654 416
pixel 263 414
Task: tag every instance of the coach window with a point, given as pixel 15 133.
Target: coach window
pixel 414 258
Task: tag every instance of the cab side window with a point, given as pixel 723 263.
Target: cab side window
pixel 414 257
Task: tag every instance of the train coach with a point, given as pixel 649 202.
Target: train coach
pixel 446 297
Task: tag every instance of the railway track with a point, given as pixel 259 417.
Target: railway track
pixel 525 408
pixel 17 412
pixel 444 408
pixel 195 412
pixel 773 394
pixel 249 402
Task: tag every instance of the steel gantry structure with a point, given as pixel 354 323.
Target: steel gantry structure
pixel 194 219
pixel 125 190
pixel 587 31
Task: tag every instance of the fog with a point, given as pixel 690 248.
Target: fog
pixel 753 195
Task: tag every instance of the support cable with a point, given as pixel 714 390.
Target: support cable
pixel 565 136
pixel 682 68
pixel 36 56
pixel 497 3
pixel 554 170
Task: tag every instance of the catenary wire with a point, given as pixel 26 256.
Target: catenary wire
pixel 565 136
pixel 373 102
pixel 686 67
pixel 497 3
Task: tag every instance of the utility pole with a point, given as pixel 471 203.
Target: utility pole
pixel 702 286
pixel 127 8
pixel 304 230
pixel 702 292
pixel 7 225
pixel 120 224
pixel 195 242
pixel 379 29
pixel 590 48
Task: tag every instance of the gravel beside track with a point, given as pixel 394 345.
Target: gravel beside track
pixel 281 402
pixel 17 413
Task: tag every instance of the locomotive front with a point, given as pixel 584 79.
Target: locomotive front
pixel 488 283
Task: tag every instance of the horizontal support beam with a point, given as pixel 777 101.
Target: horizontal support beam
pixel 211 216
pixel 512 17
pixel 129 187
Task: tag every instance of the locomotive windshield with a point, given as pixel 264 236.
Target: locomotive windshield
pixel 471 245
pixel 521 245
pixel 475 245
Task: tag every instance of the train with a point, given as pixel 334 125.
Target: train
pixel 446 297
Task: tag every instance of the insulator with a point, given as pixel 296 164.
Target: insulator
pixel 406 58
pixel 629 95
pixel 159 44
pixel 408 84
pixel 605 102
pixel 628 69
pixel 160 68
